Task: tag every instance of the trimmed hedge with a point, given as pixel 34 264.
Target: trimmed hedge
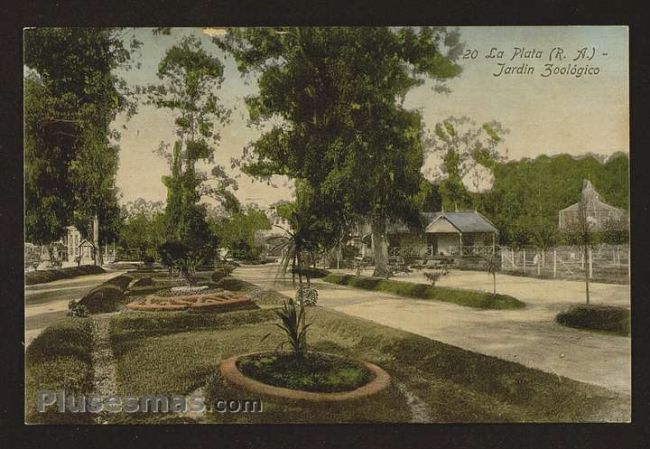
pixel 39 277
pixel 106 297
pixel 469 298
pixel 234 284
pixel 611 319
pixel 59 359
pixel 312 272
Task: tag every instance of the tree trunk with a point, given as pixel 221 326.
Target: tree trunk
pixel 380 247
pixel 494 282
pixel 98 250
pixel 586 249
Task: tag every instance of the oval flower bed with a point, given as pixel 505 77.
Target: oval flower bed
pixel 317 377
pixel 204 299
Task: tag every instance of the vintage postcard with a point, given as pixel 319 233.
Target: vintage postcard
pixel 327 225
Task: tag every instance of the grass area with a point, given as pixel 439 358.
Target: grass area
pixel 469 298
pixel 179 352
pixel 608 319
pixel 107 297
pixel 315 372
pixel 39 277
pixel 59 359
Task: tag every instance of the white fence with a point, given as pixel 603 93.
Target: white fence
pixel 606 262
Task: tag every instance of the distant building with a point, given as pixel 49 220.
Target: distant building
pixel 460 233
pixel 71 250
pixel 599 214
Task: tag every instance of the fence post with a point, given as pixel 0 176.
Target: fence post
pixel 591 265
pixel 512 260
pixel 554 262
pixel 539 264
pixel 524 262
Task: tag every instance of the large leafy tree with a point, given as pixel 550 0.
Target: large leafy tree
pixel 469 154
pixel 189 77
pixel 71 97
pixel 143 228
pixel 332 102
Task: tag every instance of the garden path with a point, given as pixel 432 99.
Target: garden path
pixel 529 336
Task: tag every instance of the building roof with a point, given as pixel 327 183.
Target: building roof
pixel 471 221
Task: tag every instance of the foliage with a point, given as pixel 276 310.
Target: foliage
pixel 75 309
pixel 39 277
pixel 236 231
pixel 307 296
pixel 315 372
pixel 143 228
pixel 528 194
pixel 71 97
pixel 469 298
pixel 332 96
pixel 108 296
pixel 189 76
pixel 609 319
pixel 434 276
pixel 293 324
pixel 467 151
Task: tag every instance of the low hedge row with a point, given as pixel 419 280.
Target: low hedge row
pixel 312 272
pixel 106 297
pixel 611 319
pixel 59 359
pixel 39 277
pixel 469 298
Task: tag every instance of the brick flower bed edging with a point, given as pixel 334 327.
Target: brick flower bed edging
pixel 231 373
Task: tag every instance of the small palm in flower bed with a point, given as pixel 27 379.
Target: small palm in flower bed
pixel 309 295
pixel 434 276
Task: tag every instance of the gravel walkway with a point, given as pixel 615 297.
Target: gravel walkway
pixel 105 378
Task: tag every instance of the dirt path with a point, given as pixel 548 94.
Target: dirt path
pixel 529 336
pixel 105 378
pixel 420 412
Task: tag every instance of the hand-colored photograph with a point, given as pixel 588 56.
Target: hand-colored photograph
pixel 271 225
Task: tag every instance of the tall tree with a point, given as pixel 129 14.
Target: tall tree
pixel 333 97
pixel 71 97
pixel 469 154
pixel 189 77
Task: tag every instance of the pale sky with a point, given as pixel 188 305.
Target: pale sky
pixel 545 115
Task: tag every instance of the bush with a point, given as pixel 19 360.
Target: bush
pixel 234 284
pixel 469 298
pixel 106 297
pixel 143 282
pixel 612 319
pixel 222 271
pixel 311 272
pixel 39 277
pixel 59 359
pixel 77 310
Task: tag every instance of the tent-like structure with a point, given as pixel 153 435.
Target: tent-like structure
pixel 599 213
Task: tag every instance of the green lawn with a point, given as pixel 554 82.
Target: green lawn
pixel 59 359
pixel 179 352
pixel 463 297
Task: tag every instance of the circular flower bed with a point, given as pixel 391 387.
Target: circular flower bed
pixel 204 299
pixel 315 377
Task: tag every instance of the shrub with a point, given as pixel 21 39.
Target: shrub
pixel 39 277
pixel 143 282
pixel 610 319
pixel 222 271
pixel 77 310
pixel 308 294
pixel 469 298
pixel 106 297
pixel 233 284
pixel 311 272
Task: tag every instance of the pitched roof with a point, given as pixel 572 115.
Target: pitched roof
pixel 466 221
